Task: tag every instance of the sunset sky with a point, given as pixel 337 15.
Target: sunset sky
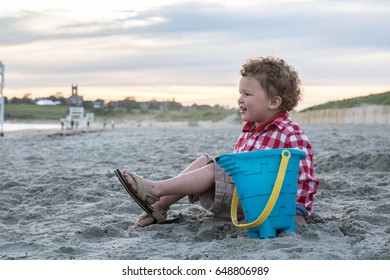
pixel 191 50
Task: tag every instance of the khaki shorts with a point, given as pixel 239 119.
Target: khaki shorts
pixel 218 199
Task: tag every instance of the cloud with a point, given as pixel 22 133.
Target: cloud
pixel 197 43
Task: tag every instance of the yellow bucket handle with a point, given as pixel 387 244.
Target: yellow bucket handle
pixel 272 200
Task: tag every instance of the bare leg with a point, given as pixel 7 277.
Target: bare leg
pixel 196 178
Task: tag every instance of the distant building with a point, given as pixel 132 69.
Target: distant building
pixel 97 104
pixel 75 99
pixel 47 102
pixel 76 119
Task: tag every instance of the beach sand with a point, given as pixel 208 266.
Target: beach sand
pixel 59 197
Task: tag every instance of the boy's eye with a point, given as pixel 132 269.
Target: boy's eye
pixel 245 93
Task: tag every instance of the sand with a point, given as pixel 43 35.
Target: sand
pixel 59 198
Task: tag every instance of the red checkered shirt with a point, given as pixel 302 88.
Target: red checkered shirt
pixel 282 132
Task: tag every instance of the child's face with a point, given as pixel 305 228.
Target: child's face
pixel 253 102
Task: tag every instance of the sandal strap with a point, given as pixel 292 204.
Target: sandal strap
pixel 159 217
pixel 141 190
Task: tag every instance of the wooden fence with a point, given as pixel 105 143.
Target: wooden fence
pixel 370 114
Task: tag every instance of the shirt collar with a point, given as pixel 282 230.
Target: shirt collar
pixel 275 120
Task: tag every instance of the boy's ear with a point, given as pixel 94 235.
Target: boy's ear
pixel 275 102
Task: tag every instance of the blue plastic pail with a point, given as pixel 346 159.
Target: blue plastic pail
pixel 267 190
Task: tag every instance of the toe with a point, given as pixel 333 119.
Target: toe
pixel 130 179
pixel 148 220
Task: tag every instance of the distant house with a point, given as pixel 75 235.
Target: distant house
pixel 127 103
pixel 97 104
pixel 75 99
pixel 47 102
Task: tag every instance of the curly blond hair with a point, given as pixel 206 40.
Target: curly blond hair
pixel 277 78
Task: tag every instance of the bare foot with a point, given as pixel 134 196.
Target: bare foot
pixel 151 198
pixel 148 220
pixel 300 219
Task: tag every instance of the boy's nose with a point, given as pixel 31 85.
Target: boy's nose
pixel 240 100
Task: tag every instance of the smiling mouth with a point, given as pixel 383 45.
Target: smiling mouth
pixel 242 110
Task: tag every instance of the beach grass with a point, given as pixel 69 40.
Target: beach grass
pixel 211 114
pixel 372 99
pixel 36 112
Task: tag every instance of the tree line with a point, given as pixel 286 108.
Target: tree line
pixel 128 103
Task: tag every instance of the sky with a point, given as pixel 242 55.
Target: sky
pixel 191 51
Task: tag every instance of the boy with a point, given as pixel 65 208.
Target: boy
pixel 268 88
